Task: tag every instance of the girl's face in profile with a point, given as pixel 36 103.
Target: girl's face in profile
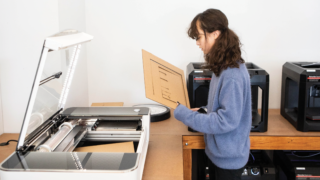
pixel 206 43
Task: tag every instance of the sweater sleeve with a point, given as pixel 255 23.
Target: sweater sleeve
pixel 225 119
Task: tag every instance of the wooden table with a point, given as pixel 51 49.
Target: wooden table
pixel 281 135
pixel 169 158
pixel 5 151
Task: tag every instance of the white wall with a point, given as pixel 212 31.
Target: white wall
pixel 24 26
pixel 72 16
pixel 1 119
pixel 272 32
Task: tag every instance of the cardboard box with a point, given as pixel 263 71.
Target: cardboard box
pixel 164 83
pixel 126 147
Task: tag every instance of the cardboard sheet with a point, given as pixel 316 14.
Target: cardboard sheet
pixel 126 147
pixel 164 83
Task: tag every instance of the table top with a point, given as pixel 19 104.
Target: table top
pixel 277 126
pixel 165 157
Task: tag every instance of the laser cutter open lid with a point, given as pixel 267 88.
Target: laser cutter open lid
pixel 53 78
pixel 164 83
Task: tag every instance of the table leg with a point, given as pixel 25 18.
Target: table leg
pixel 187 164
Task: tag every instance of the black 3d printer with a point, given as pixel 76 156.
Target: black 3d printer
pixel 198 82
pixel 300 95
pixel 298 165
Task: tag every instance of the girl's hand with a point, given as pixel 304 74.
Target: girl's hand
pixel 194 109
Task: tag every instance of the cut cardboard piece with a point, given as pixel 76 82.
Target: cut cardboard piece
pixel 125 147
pixel 164 83
pixel 108 104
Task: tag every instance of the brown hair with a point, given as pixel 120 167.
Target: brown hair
pixel 226 50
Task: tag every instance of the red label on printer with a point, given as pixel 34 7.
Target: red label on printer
pixel 313 78
pixel 202 78
pixel 305 177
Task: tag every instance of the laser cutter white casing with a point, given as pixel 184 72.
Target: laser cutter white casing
pixel 50 133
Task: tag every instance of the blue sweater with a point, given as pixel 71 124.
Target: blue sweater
pixel 227 124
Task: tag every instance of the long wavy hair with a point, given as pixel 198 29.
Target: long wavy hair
pixel 226 50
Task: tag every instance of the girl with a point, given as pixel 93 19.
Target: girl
pixel 227 124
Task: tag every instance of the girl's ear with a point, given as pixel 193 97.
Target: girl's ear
pixel 216 34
